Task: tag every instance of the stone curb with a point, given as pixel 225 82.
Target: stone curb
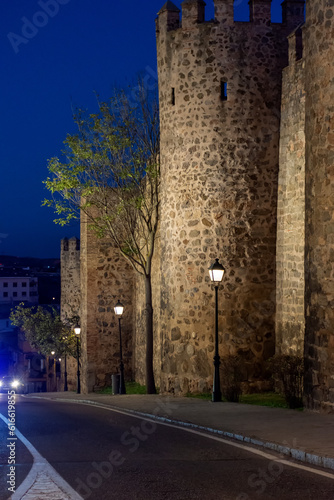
pixel 299 455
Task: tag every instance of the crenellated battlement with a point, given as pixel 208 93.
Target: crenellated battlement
pixel 193 14
pixel 70 245
pixel 168 17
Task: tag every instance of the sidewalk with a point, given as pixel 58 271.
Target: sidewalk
pixel 305 436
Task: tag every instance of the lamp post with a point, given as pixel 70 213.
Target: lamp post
pixel 119 308
pixel 77 331
pixel 51 375
pixel 216 271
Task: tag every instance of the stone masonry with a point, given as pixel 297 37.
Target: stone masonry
pixel 290 287
pixel 70 300
pixel 247 163
pixel 220 96
pixel 319 193
pixel 105 279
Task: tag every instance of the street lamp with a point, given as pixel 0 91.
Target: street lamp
pixel 51 366
pixel 216 272
pixel 119 308
pixel 77 331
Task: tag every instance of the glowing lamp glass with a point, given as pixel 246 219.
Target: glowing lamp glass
pixel 119 308
pixel 77 330
pixel 216 272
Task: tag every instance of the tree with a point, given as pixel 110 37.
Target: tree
pixel 44 329
pixel 111 174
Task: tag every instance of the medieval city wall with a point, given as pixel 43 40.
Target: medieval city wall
pixel 290 286
pixel 221 102
pixel 105 278
pixel 220 93
pixel 70 298
pixel 319 192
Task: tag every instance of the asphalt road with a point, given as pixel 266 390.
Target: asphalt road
pixel 106 455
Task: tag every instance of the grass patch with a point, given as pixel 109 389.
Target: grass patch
pixel 271 399
pixel 131 388
pixel 105 390
pixel 202 395
pixel 135 388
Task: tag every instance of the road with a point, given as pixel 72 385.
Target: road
pixel 103 454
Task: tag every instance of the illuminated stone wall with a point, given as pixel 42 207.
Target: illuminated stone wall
pixel 220 96
pixel 290 284
pixel 319 262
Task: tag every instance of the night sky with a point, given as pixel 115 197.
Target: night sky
pixel 51 62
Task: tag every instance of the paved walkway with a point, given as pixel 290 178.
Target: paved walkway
pixel 306 436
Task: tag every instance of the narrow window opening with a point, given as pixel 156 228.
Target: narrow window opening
pixel 299 47
pixel 223 91
pixel 173 97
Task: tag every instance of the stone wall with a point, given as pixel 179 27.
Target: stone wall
pixel 290 288
pixel 220 91
pixel 70 277
pixel 105 278
pixel 319 262
pixel 70 298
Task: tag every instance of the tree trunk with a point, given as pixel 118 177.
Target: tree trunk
pixel 150 385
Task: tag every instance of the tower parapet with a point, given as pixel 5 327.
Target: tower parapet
pixel 193 11
pixel 260 11
pixel 224 11
pixel 293 12
pixel 168 17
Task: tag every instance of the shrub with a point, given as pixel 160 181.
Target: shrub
pixel 288 373
pixel 231 378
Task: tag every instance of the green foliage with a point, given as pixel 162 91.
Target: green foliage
pixel 288 373
pixel 44 330
pixel 109 176
pixel 110 173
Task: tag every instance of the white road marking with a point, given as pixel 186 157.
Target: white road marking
pixel 43 482
pixel 203 434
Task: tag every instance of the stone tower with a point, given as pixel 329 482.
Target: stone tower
pixel 220 93
pixel 318 39
pixel 290 282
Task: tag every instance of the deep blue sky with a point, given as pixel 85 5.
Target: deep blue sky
pixel 87 46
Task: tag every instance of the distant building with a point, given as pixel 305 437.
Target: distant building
pixel 9 352
pixel 17 357
pixel 18 286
